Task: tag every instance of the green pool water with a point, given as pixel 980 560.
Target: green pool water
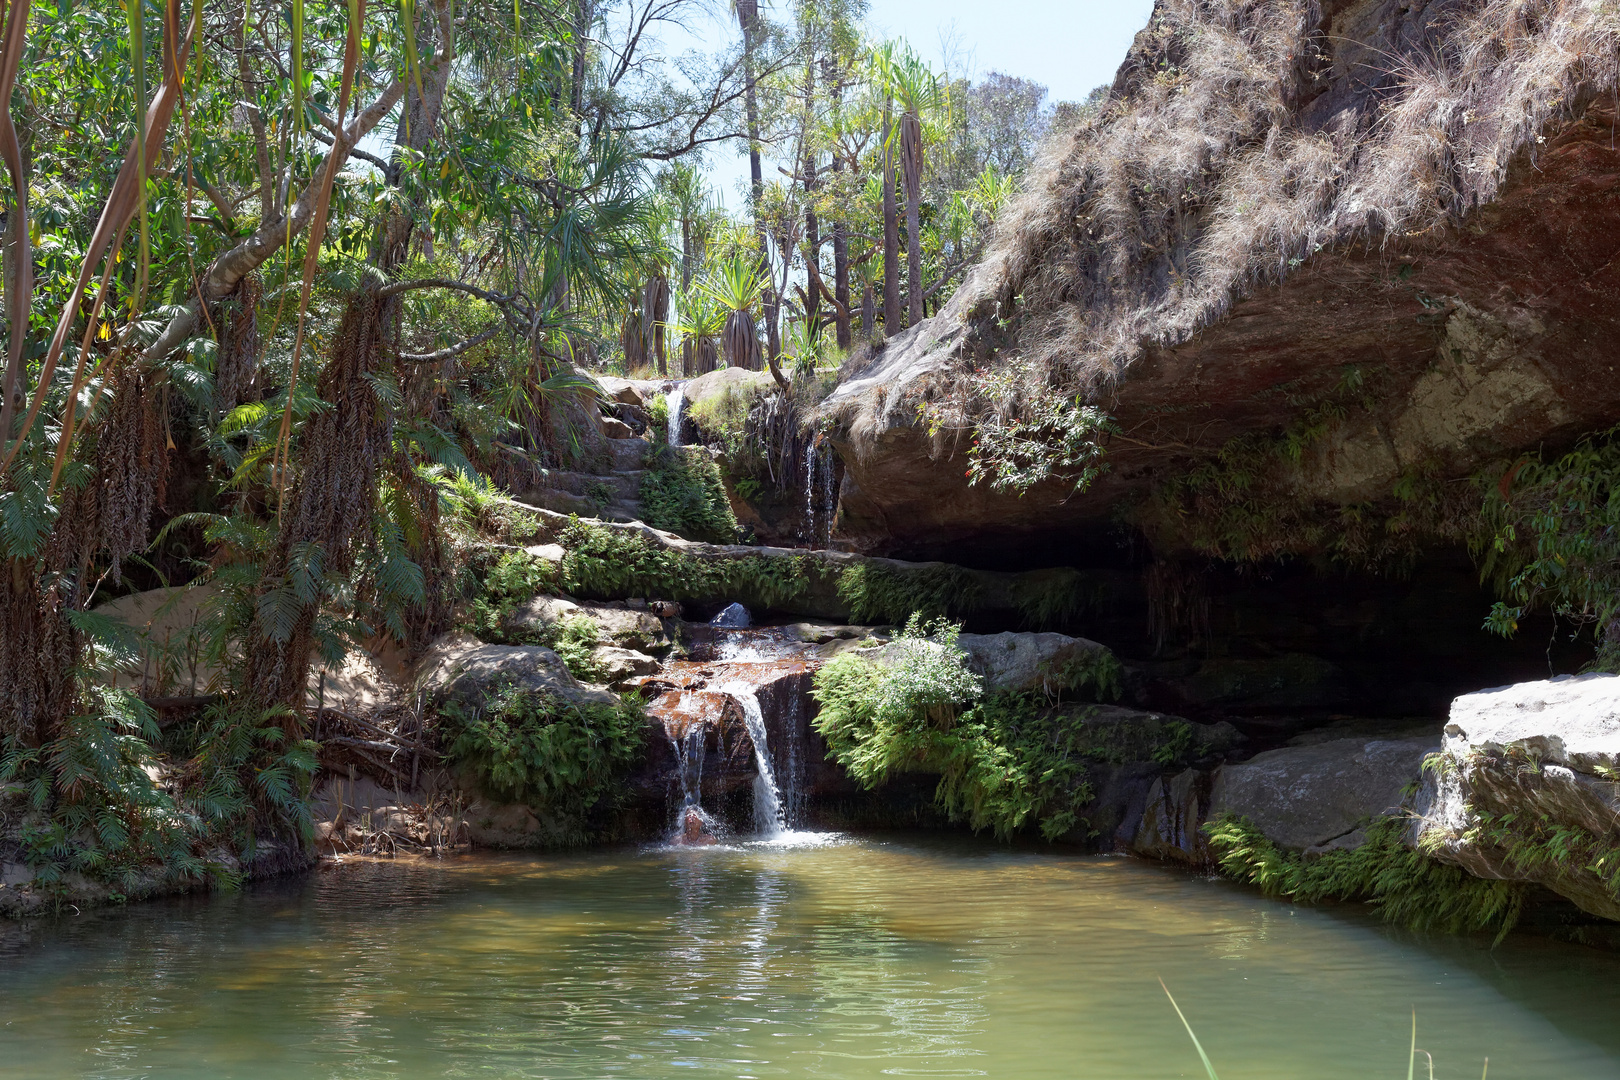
pixel 829 957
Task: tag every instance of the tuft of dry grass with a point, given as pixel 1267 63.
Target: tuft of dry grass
pixel 1214 170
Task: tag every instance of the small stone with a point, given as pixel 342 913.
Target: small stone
pixel 734 617
pixel 665 609
pixel 614 428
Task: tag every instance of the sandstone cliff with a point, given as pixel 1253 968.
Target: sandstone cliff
pixel 1380 235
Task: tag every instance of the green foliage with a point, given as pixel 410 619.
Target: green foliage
pixel 1097 672
pixel 658 419
pixel 1550 538
pixel 617 563
pixel 1004 761
pixel 1055 598
pixel 513 580
pixel 883 594
pixel 1035 436
pixel 113 809
pixel 683 493
pixel 559 757
pixel 1406 886
pixel 573 640
pixel 104 816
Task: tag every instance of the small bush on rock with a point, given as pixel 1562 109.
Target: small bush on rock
pixel 880 594
pixel 1004 762
pixel 683 493
pixel 556 756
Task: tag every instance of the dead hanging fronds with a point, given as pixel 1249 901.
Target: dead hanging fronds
pixel 38 644
pixel 329 503
pixel 236 363
pixel 132 458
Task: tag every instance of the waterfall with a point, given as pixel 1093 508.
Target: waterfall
pixel 810 494
pixel 818 492
pixel 675 399
pixel 827 493
pixel 769 817
pixel 688 746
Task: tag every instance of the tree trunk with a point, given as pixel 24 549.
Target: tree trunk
pixel 891 239
pixel 747 18
pixel 911 154
pixel 812 226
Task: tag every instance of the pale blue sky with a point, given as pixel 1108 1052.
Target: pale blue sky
pixel 1069 45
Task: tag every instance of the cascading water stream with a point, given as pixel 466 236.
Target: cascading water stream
pixel 769 816
pixel 675 400
pixel 818 492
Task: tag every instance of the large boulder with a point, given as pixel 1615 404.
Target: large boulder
pixel 1036 662
pixel 460 668
pixel 1526 788
pixel 1311 798
pixel 1230 292
pixel 620 626
pixel 721 398
pixel 618 667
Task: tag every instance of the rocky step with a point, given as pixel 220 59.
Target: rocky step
pixel 819 584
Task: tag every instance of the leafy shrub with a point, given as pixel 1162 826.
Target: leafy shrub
pixel 1003 762
pixel 1046 437
pixel 1406 886
pixel 573 640
pixel 1551 539
pixel 106 817
pixel 683 493
pixel 515 578
pixel 1094 673
pixel 556 756
pixel 877 593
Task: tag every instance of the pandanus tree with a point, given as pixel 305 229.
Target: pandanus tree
pixel 736 285
pixel 701 319
pixel 915 91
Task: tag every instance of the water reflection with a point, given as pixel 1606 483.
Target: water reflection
pixel 792 959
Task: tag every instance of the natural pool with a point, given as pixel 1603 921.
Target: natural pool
pixel 811 957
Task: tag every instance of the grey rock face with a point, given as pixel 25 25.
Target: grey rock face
pixel 619 666
pixel 1312 798
pixel 1027 661
pixel 1305 797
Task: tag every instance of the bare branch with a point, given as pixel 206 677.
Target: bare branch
pixel 454 350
